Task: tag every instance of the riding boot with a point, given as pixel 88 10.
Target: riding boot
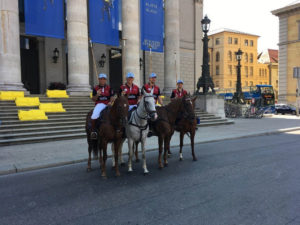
pixel 94 134
pixel 151 132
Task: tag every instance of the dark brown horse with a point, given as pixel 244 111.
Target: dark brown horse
pixel 111 129
pixel 186 124
pixel 164 126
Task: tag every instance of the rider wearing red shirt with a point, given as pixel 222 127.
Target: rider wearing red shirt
pixel 151 85
pixel 179 92
pixel 102 94
pixel 132 91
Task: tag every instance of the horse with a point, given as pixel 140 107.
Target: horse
pixel 137 127
pixel 164 126
pixel 111 129
pixel 186 124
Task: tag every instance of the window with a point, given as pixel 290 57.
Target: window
pixel 251 42
pixel 276 83
pixel 260 72
pixel 230 40
pixel 251 71
pixel 230 56
pixel 246 42
pixel 246 57
pixel 217 70
pixel 246 83
pixel 246 71
pixel 217 41
pixel 230 83
pixel 251 58
pixel 251 83
pixel 230 69
pixel 265 72
pixel 217 83
pixel 217 57
pixel 236 41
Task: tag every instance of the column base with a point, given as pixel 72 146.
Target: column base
pixel 13 87
pixel 79 90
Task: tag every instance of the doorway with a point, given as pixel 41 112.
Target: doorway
pixel 30 64
pixel 115 69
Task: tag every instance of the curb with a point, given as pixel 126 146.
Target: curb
pixel 51 165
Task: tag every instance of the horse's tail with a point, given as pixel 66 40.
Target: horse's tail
pixel 93 144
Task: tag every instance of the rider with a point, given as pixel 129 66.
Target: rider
pixel 179 92
pixel 102 94
pixel 132 91
pixel 151 85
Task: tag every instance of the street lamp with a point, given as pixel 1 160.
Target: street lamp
pixel 55 55
pixel 238 95
pixel 102 60
pixel 205 81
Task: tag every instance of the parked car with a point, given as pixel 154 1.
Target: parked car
pixel 285 109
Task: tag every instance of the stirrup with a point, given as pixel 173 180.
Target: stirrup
pixel 94 135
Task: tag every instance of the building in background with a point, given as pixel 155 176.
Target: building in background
pixel 289 50
pixel 33 61
pixel 223 64
pixel 270 57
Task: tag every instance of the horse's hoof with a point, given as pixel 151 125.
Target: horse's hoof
pixel 195 159
pixel 103 175
pixel 113 167
pixel 160 167
pixel 180 159
pixel 166 164
pixel 146 173
pixel 118 174
pixel 123 164
pixel 88 169
pixel 137 160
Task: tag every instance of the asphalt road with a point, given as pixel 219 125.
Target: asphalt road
pixel 245 181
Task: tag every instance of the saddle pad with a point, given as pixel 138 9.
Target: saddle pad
pixel 57 94
pixel 10 95
pixel 27 101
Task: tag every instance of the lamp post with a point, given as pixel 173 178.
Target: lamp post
pixel 205 81
pixel 238 95
pixel 102 60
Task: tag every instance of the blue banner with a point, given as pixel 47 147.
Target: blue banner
pixel 104 21
pixel 45 18
pixel 152 25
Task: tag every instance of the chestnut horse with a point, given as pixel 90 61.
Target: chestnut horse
pixel 112 126
pixel 186 124
pixel 164 126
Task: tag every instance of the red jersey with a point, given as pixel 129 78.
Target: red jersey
pixel 132 92
pixel 178 94
pixel 106 93
pixel 156 91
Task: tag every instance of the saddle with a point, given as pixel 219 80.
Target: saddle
pixel 100 119
pixel 130 112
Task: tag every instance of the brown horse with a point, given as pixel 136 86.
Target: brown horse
pixel 164 126
pixel 112 126
pixel 186 124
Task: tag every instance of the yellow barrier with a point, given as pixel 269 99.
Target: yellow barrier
pixel 10 95
pixel 34 114
pixel 57 94
pixel 52 107
pixel 27 101
pixel 91 95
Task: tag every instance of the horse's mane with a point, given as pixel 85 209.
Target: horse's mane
pixel 174 104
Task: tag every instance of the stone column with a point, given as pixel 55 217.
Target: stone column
pixel 78 54
pixel 10 61
pixel 172 49
pixel 131 36
pixel 198 40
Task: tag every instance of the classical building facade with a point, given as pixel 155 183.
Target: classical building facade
pixel 222 47
pixel 289 50
pixel 26 61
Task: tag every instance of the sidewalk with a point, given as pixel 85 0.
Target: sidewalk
pixel 27 157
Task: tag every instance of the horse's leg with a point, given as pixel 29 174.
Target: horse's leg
pixel 120 153
pixel 192 144
pixel 160 143
pixel 144 156
pixel 117 145
pixel 169 151
pixel 113 155
pixel 166 148
pixel 103 164
pixel 136 146
pixel 130 151
pixel 181 144
pixel 89 168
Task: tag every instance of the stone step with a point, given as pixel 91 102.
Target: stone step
pixel 212 120
pixel 70 112
pixel 41 124
pixel 215 123
pixel 67 108
pixel 12 136
pixel 40 129
pixel 50 116
pixel 47 138
pixel 50 120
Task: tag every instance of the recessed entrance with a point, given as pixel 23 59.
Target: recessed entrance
pixel 115 69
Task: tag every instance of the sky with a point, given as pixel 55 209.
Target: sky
pixel 250 16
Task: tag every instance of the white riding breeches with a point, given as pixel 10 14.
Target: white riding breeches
pixel 97 110
pixel 131 106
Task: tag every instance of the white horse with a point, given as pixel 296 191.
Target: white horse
pixel 137 127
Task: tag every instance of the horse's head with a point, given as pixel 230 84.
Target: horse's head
pixel 149 105
pixel 188 107
pixel 121 107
